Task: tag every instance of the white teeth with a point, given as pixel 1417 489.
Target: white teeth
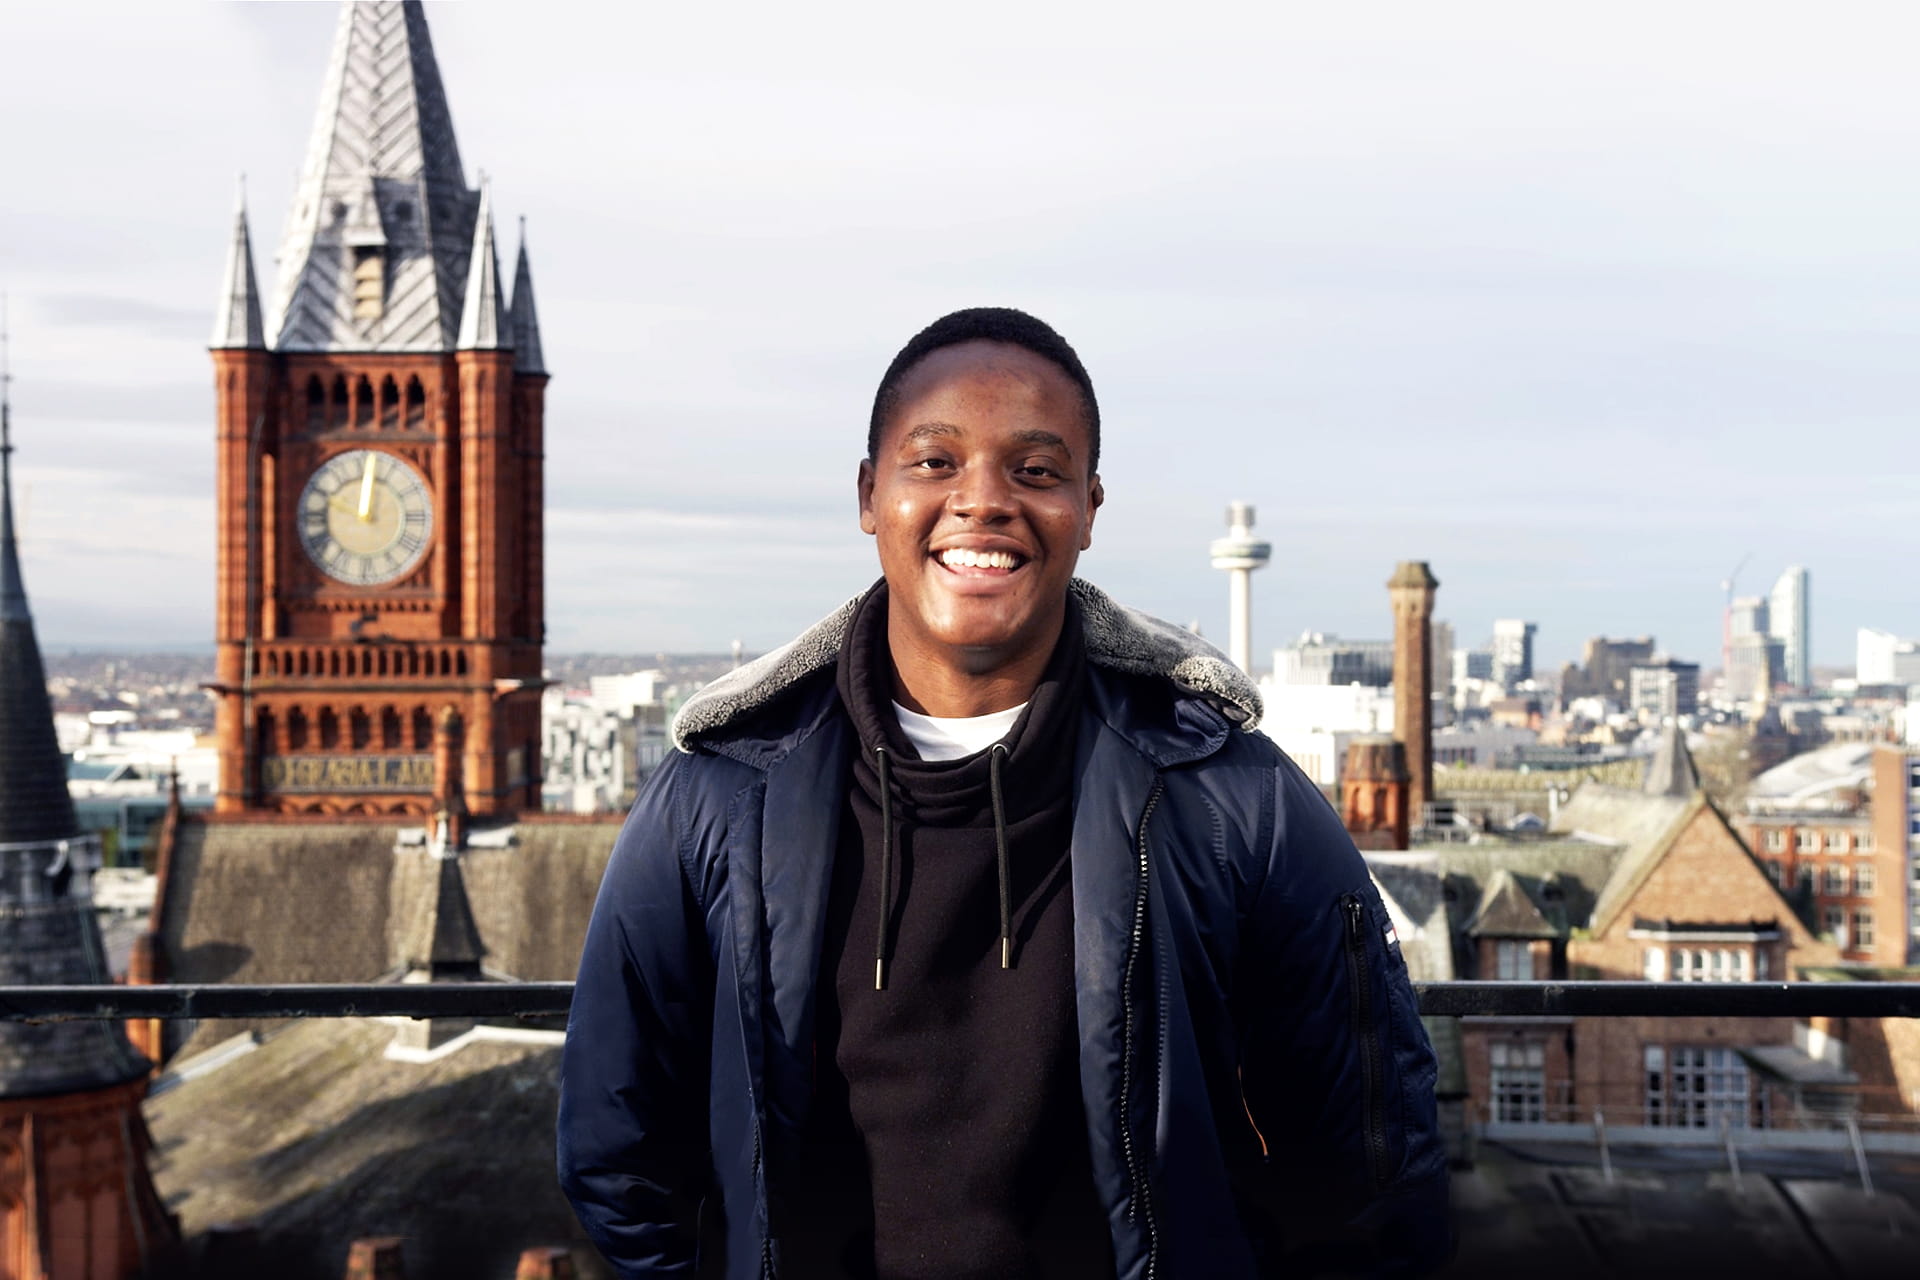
pixel 961 557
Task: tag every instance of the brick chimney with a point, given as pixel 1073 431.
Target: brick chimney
pixel 1411 589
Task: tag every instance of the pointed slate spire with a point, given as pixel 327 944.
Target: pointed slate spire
pixel 483 320
pixel 1672 772
pixel 47 931
pixel 522 317
pixel 375 252
pixel 238 326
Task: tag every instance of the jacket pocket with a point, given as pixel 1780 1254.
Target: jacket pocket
pixel 1367 1038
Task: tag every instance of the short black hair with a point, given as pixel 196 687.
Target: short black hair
pixel 988 324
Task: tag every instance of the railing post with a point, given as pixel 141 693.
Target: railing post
pixel 1859 1153
pixel 1733 1156
pixel 1600 1136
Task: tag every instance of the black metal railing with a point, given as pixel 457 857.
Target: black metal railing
pixel 549 999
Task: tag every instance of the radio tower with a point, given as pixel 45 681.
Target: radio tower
pixel 1239 553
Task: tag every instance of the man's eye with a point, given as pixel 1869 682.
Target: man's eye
pixel 933 464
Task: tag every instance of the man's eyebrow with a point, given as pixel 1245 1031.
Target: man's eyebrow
pixel 929 430
pixel 1035 435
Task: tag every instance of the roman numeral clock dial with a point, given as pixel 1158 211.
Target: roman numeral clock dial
pixel 365 517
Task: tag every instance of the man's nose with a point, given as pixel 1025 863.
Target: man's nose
pixel 983 493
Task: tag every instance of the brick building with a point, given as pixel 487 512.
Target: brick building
pixel 1894 818
pixel 1632 884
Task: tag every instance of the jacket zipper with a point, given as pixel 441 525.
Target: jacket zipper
pixel 1142 1205
pixel 1366 1035
pixel 766 1229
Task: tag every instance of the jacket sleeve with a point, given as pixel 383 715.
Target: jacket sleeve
pixel 1336 1069
pixel 632 1135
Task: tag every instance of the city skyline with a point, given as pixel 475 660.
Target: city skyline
pixel 1601 319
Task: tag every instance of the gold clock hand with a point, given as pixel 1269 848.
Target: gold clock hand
pixel 366 491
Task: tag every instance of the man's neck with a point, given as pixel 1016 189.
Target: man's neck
pixel 934 682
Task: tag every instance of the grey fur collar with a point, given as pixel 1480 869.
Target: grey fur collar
pixel 1118 638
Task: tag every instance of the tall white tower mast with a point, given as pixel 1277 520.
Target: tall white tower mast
pixel 1239 553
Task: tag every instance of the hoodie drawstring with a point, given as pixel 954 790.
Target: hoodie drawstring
pixel 994 755
pixel 886 870
pixel 1002 860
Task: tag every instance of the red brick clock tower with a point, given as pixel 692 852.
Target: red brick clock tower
pixel 380 435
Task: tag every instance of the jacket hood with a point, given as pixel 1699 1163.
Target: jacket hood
pixel 1118 638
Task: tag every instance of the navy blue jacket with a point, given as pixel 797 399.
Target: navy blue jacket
pixel 1257 1084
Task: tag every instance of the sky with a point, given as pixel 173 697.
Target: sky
pixel 1584 305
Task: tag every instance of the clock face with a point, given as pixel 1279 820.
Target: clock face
pixel 365 517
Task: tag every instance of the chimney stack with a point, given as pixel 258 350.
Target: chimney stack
pixel 1411 589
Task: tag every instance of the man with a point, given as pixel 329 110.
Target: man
pixel 972 935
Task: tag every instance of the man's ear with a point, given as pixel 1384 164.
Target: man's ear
pixel 864 486
pixel 1095 496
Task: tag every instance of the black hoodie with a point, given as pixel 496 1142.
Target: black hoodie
pixel 948 1139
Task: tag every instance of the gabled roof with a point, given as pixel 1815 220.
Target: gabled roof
pixel 1509 908
pixel 1643 824
pixel 238 324
pixel 382 174
pixel 483 317
pixel 523 318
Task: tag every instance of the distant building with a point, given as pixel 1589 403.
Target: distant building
pixel 1604 669
pixel 1662 691
pixel 1320 658
pixel 1513 650
pixel 1884 658
pixel 1754 666
pixel 1749 616
pixel 1790 622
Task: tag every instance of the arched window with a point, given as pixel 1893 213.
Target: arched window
pixel 359 728
pixel 333 662
pixel 338 418
pixel 389 729
pixel 329 729
pixel 363 403
pixel 389 403
pixel 422 730
pixel 296 729
pixel 316 403
pixel 266 741
pixel 416 403
pixel 460 663
pixel 273 664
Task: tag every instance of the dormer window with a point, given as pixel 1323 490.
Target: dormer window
pixel 369 282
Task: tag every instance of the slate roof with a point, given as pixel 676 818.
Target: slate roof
pixel 1513 906
pixel 382 173
pixel 1672 771
pixel 523 317
pixel 317 1138
pixel 483 316
pixel 238 323
pixel 47 931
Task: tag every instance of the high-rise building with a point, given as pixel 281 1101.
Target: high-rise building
pixel 1790 622
pixel 1884 658
pixel 1663 691
pixel 1754 666
pixel 1748 616
pixel 1513 650
pixel 379 500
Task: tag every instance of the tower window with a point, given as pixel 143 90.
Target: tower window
pixel 316 404
pixel 389 404
pixel 416 404
pixel 329 729
pixel 363 404
pixel 296 729
pixel 369 282
pixel 422 730
pixel 389 729
pixel 360 729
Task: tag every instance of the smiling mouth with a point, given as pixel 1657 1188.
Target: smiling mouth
pixel 960 559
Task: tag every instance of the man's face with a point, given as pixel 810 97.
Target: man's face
pixel 980 499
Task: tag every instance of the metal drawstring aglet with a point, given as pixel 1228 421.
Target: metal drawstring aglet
pixel 879 975
pixel 1006 953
